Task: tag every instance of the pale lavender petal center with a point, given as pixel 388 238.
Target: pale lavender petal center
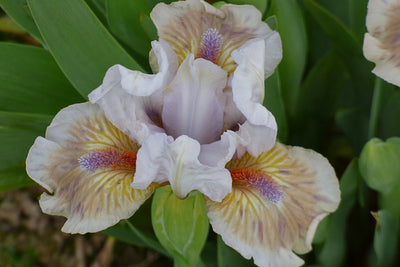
pixel 194 105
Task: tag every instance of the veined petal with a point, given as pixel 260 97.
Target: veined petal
pixel 276 203
pixel 183 25
pixel 87 165
pixel 385 68
pixel 381 43
pixel 194 105
pixel 161 159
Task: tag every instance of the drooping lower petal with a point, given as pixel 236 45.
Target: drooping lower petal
pixel 194 105
pixel 276 203
pixel 163 159
pixel 87 165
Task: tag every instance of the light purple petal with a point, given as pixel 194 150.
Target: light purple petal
pixel 194 105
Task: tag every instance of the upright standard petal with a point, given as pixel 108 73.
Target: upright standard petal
pixel 163 159
pixel 87 165
pixel 276 203
pixel 132 100
pixel 381 43
pixel 248 94
pixel 194 103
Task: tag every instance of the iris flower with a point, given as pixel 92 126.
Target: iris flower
pixel 197 124
pixel 206 95
pixel 178 126
pixel 382 42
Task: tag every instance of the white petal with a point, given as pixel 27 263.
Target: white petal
pixel 377 16
pixel 162 14
pixel 161 159
pixel 194 106
pixel 136 82
pixel 248 93
pixel 258 138
pixel 248 78
pixel 136 116
pixel 246 16
pixel 141 84
pixel 232 115
pixel 210 9
pixel 38 160
pixel 92 199
pixel 220 152
pixel 273 53
pixel 385 68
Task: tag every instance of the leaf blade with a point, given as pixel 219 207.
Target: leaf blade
pixel 80 44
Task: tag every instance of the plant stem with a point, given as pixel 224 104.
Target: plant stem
pixel 375 108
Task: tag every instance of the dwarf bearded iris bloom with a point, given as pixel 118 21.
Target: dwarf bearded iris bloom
pixel 197 124
pixel 211 65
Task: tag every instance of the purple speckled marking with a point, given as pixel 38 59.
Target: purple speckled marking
pixel 107 158
pixel 260 180
pixel 210 46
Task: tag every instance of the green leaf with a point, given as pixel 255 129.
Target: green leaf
pixel 228 257
pixel 14 178
pixel 272 22
pixel 339 34
pixel 389 120
pixel 379 163
pixel 181 226
pixel 274 103
pixel 259 4
pixel 318 100
pixel 17 133
pixel 390 201
pixel 124 17
pixel 25 121
pixel 80 44
pixel 126 232
pixel 7 25
pixel 148 26
pixel 18 10
pixel 386 239
pixel 354 123
pixel 99 9
pixel 333 252
pixel 358 12
pixel 294 42
pixel 30 81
